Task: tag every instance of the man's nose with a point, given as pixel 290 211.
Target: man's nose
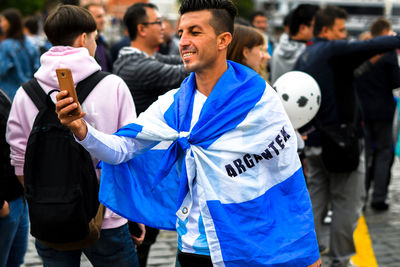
pixel 184 40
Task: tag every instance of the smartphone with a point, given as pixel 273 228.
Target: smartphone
pixel 66 82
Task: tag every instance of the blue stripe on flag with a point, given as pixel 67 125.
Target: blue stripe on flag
pixel 130 130
pixel 129 193
pixel 275 229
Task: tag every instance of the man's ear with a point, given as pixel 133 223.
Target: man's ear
pixel 80 40
pixel 223 40
pixel 141 30
pixel 325 31
pixel 302 27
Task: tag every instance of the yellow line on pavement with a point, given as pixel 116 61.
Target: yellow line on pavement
pixel 365 256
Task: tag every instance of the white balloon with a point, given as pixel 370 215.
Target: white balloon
pixel 300 96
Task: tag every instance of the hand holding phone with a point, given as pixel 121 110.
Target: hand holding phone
pixel 66 82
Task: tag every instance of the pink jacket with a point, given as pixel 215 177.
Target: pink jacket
pixel 108 107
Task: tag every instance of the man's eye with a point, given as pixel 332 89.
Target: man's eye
pixel 195 33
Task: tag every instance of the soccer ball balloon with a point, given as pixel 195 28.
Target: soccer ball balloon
pixel 300 95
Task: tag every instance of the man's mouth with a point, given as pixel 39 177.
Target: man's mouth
pixel 187 55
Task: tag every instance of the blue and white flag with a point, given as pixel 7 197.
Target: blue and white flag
pixel 241 153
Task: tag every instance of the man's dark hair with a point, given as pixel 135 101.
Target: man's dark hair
pixel 326 18
pixel 223 12
pixel 14 18
pixel 303 14
pixel 379 25
pixel 32 24
pixel 135 15
pixel 256 14
pixel 66 23
pixel 287 19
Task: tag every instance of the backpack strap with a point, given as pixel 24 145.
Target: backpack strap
pixel 35 92
pixel 85 86
pixel 83 89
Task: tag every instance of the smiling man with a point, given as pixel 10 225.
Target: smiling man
pixel 169 168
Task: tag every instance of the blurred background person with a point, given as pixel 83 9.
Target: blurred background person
pixel 32 33
pixel 19 57
pixel 115 48
pixel 260 21
pixel 247 48
pixel 170 46
pixel 292 45
pixel 102 55
pixel 374 88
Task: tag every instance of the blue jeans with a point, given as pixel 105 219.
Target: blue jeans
pixel 14 234
pixel 114 248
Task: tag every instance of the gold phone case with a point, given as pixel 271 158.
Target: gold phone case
pixel 66 82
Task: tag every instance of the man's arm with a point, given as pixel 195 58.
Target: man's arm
pixel 106 147
pixel 364 50
pixel 156 76
pixel 169 59
pixel 19 126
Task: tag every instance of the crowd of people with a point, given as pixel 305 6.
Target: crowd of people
pixel 188 134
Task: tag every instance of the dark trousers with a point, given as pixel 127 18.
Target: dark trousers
pixel 379 155
pixel 194 260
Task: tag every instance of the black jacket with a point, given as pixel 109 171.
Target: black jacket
pixel 332 65
pixel 374 88
pixel 148 77
pixel 10 187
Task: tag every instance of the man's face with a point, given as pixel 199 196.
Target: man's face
pixel 90 43
pixel 154 28
pixel 261 23
pixel 337 31
pixel 98 13
pixel 198 45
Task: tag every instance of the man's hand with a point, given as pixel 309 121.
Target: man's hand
pixel 375 58
pixel 5 210
pixel 75 123
pixel 318 263
pixel 139 240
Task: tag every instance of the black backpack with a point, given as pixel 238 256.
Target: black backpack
pixel 61 185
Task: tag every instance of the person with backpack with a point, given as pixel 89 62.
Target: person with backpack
pixel 14 223
pixel 109 105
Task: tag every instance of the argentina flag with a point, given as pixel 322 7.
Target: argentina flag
pixel 241 154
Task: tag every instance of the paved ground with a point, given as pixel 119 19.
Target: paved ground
pixel 384 230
